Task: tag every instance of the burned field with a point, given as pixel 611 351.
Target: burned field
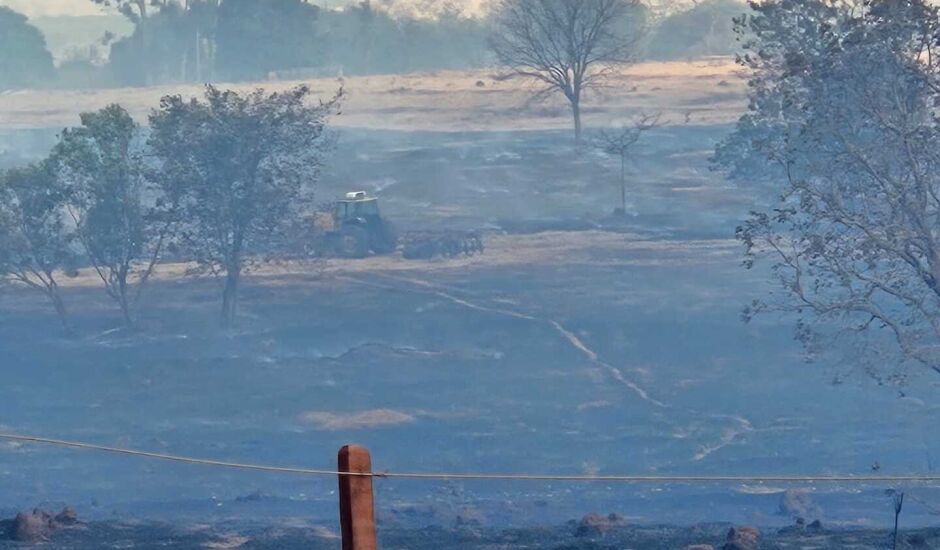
pixel 481 369
pixel 569 537
pixel 577 343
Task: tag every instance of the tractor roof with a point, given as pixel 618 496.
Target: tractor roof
pixel 357 196
pixel 351 201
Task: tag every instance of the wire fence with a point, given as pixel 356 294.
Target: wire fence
pixel 646 479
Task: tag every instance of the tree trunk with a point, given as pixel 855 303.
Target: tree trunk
pixel 576 113
pixel 126 309
pixel 623 184
pixel 184 66
pixel 198 56
pixel 230 298
pixel 146 70
pixel 60 310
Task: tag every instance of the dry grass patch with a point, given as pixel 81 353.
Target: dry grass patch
pixel 377 418
pixel 705 91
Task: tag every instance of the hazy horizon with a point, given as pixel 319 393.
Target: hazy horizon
pixel 42 8
pixel 46 8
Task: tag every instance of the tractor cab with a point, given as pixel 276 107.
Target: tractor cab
pixel 359 229
pixel 356 207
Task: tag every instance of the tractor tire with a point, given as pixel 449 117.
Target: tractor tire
pixel 385 239
pixel 353 243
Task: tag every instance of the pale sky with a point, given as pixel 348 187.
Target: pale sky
pixel 34 8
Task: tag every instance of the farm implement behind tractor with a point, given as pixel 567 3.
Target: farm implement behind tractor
pixel 354 228
pixel 450 244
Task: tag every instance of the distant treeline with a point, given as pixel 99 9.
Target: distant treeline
pixel 238 40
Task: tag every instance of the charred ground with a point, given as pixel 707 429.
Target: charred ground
pixel 575 344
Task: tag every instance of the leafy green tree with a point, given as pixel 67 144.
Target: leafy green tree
pixel 243 166
pixel 24 59
pixel 35 241
pixel 119 219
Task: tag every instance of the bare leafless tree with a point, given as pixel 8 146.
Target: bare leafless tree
pixel 620 142
pixel 567 45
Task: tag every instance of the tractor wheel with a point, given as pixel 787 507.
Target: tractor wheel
pixel 385 239
pixel 353 243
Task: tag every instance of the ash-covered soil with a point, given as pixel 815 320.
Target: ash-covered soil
pixel 571 536
pixel 570 347
pixel 562 364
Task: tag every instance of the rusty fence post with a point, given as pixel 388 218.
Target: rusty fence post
pixel 356 504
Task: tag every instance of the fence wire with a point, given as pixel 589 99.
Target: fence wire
pixel 646 479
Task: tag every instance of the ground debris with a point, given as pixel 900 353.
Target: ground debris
pixel 597 524
pixel 742 538
pixel 38 525
pixel 470 536
pixel 798 503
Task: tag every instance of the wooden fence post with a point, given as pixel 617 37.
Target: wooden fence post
pixel 356 504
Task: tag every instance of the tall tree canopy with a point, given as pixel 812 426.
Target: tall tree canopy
pixel 707 28
pixel 200 40
pixel 842 122
pixel 171 42
pixel 35 237
pixel 241 165
pixel 119 218
pixel 209 40
pixel 135 10
pixel 256 37
pixel 364 40
pixel 24 59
